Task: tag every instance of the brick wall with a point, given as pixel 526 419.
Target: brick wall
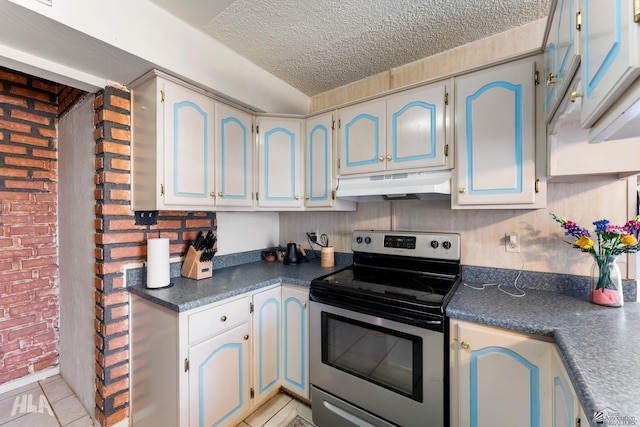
pixel 119 241
pixel 29 309
pixel 28 203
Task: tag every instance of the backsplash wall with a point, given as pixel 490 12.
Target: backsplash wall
pixel 483 231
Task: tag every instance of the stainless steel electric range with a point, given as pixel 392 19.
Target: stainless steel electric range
pixel 378 332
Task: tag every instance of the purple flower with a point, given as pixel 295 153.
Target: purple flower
pixel 601 225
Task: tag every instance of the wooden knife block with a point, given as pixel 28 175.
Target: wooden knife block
pixel 193 268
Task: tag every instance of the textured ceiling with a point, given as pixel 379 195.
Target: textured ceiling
pixel 318 45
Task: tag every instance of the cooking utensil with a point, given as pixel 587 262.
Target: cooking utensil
pixel 324 240
pixel 291 256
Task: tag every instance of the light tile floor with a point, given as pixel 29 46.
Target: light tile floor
pixel 52 403
pixel 47 403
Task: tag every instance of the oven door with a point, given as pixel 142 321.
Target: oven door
pixel 391 370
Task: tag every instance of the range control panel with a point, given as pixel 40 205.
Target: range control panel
pixel 444 246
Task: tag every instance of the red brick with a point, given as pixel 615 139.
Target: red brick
pixel 169 224
pixel 116 358
pixel 38 262
pixel 47 108
pixel 48 154
pixel 117 283
pixel 39 84
pixel 198 223
pixel 30 117
pixel 25 185
pixel 20 372
pixel 117 416
pixel 28 93
pixel 112 178
pixel 26 331
pixel 98 253
pixel 12 77
pixel 98 133
pixel 113 238
pixel 119 102
pixel 124 195
pixel 120 134
pixel 12 100
pixel 48 362
pixel 45 175
pixel 113 299
pixel 123 224
pixel 113 210
pixel 12 149
pixel 120 311
pixel 118 371
pixel 112 116
pixel 127 252
pixel 121 399
pixel 8 300
pixel 98 102
pixel 15 127
pixel 17 321
pixel 48 133
pixel 31 140
pixel 117 342
pixel 14 173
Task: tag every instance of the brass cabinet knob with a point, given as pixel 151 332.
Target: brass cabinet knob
pixel 212 194
pixel 223 319
pixel 297 197
pixel 306 197
pixel 575 95
pixel 381 159
pixel 462 190
pixel 389 158
pixel 304 304
pixel 220 194
pixel 465 345
pixel 246 337
pixel 551 79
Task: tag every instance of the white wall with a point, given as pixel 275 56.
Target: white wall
pixel 246 231
pixel 76 230
pixel 542 240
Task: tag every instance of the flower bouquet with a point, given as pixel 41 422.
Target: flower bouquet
pixel 611 241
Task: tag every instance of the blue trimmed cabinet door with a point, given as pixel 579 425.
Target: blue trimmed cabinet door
pixel 188 147
pixel 295 332
pixel 267 344
pixel 279 164
pixel 319 163
pixel 495 137
pixel 362 138
pixel 562 54
pixel 503 378
pixel 219 389
pixel 234 157
pixel 610 50
pixel 416 122
pixel 564 406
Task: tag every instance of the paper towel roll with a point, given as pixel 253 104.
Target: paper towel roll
pixel 158 274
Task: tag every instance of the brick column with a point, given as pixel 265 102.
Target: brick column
pixel 119 241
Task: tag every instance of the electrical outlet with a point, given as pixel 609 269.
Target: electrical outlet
pixel 313 235
pixel 512 242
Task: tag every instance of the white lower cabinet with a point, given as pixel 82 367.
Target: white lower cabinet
pixel 295 332
pixel 501 378
pixel 213 365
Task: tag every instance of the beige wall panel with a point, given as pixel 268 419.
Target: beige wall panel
pixel 504 45
pixel 543 246
pixel 357 90
pixel 336 225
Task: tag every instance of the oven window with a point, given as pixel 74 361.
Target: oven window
pixel 385 357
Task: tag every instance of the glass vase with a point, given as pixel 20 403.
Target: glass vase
pixel 606 283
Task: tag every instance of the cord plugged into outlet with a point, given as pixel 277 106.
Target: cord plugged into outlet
pixel 512 242
pixel 313 236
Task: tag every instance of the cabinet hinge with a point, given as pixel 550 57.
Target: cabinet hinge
pixel 338 163
pixel 257 129
pixel 161 96
pixel 537 186
pixel 251 392
pixel 162 189
pixel 446 150
pixel 579 20
pixel 257 196
pixel 252 128
pixel 636 10
pixel 333 125
pixel 186 365
pixel 446 98
pixel 536 77
pixel 333 194
pixel 578 422
pixel 250 307
pixel 339 123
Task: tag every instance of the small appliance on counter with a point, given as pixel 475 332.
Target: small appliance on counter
pixel 294 254
pixel 198 264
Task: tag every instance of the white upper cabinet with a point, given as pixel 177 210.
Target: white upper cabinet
pixel 172 145
pixel 562 53
pixel 610 50
pixel 416 122
pixel 362 133
pixel 279 164
pixel 496 138
pixel 403 131
pixel 320 165
pixel 234 157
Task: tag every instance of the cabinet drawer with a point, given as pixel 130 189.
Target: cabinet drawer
pixel 218 319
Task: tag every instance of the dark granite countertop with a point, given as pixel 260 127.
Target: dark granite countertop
pixel 599 345
pixel 187 294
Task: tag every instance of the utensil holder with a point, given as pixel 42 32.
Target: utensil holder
pixel 193 268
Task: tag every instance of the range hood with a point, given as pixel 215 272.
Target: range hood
pixel 398 186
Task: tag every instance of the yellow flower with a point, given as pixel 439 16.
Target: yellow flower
pixel 628 240
pixel 584 242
